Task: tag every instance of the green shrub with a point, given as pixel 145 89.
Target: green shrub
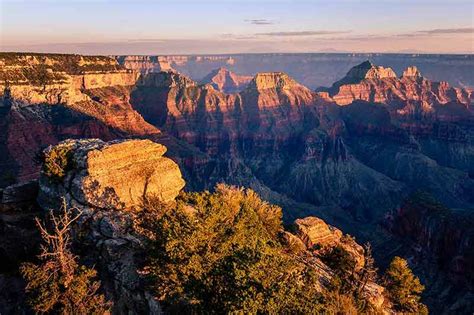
pixel 220 253
pixel 57 161
pixel 404 287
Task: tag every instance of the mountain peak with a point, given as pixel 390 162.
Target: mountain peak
pixel 411 72
pixel 224 80
pixel 367 70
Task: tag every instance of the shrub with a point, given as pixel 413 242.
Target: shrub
pixel 57 161
pixel 343 265
pixel 220 253
pixel 404 287
pixel 58 284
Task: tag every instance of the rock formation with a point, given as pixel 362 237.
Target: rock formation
pixel 145 64
pixel 226 81
pixel 411 72
pixel 46 98
pixel 107 181
pixel 113 175
pixel 408 96
pixel 315 232
pixel 349 154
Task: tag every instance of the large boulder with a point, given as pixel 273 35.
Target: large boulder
pixel 315 232
pixel 107 175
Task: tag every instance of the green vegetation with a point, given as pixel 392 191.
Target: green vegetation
pixel 220 253
pixel 421 201
pixel 58 284
pixel 344 266
pixel 404 287
pixel 223 252
pixel 56 162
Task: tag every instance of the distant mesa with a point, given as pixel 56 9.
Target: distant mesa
pixel 272 80
pixel 226 81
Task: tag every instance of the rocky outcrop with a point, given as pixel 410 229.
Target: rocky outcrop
pixel 113 175
pixel 314 232
pixel 314 237
pixel 46 98
pixel 145 64
pixel 408 97
pixel 106 181
pixel 226 81
pixel 411 72
pixel 366 70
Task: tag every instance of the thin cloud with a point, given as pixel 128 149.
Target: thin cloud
pixel 260 22
pixel 301 33
pixel 463 30
pixel 438 31
pixel 146 40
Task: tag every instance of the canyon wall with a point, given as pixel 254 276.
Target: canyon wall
pixel 322 69
pixel 47 98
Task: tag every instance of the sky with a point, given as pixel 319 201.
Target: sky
pixel 224 26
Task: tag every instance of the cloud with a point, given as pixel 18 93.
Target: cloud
pixel 260 22
pixel 302 33
pixel 146 40
pixel 438 31
pixel 463 30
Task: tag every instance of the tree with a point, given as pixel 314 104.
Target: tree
pixel 220 253
pixel 404 287
pixel 343 265
pixel 58 284
pixel 369 271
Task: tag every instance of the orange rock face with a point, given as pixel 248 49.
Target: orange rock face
pixel 226 81
pixel 48 98
pixel 406 96
pixel 314 231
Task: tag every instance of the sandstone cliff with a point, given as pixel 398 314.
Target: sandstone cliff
pixel 114 175
pixel 45 98
pixel 145 64
pixel 437 233
pixel 409 96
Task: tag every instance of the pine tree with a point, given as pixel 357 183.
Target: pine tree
pixel 404 287
pixel 58 284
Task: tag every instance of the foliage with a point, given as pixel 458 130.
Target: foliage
pixel 57 161
pixel 58 284
pixel 339 260
pixel 421 200
pixel 404 287
pixel 219 253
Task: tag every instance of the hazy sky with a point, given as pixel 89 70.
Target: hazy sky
pixel 187 27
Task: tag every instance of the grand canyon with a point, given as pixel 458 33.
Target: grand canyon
pixel 264 157
pixel 385 157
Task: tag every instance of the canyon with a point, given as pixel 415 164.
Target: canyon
pixel 352 153
pixel 313 70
